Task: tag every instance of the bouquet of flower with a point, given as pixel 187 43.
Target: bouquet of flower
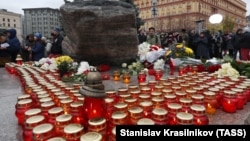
pixel 227 70
pixel 64 64
pixel 48 64
pixel 179 51
pixel 134 68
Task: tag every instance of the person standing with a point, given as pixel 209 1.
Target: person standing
pixel 38 49
pixel 236 43
pixel 152 38
pixel 57 38
pixel 142 36
pixel 202 47
pixel 245 44
pixel 29 42
pixel 14 44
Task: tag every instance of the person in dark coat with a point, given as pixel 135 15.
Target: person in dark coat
pixel 57 39
pixel 236 43
pixel 245 44
pixel 14 43
pixel 202 47
pixel 38 49
pixel 29 42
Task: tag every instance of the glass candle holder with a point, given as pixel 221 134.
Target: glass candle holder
pixel 122 91
pixel 145 121
pixel 144 97
pixel 46 106
pixel 62 121
pixel 158 74
pixel 184 118
pixel 158 102
pixel 146 90
pixel 199 113
pixel 30 123
pixel 179 95
pixel 116 76
pixel 166 91
pixel 161 81
pixel 135 113
pixel 120 106
pixel 176 89
pixel 126 77
pixel 198 99
pixel 241 98
pixel 73 132
pixel 109 106
pixel 186 103
pixel 198 89
pixel 65 104
pixel 143 84
pixel 135 93
pixel 92 136
pixel 111 93
pixel 32 112
pixel 98 125
pixel 245 93
pixel 43 132
pixel 158 88
pixel 53 113
pixel 190 92
pixel 159 115
pixel 131 102
pixel 77 112
pixel 173 109
pixel 229 101
pixel 142 77
pixel 112 136
pixel 118 118
pixel 157 94
pixel 147 108
pixel 184 87
pixel 167 85
pixel 21 107
pixel 210 98
pixel 56 139
pixel 169 98
pixel 122 97
pixel 133 88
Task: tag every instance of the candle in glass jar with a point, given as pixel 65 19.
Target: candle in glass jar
pixel 57 139
pixel 158 74
pixel 198 99
pixel 141 77
pixel 111 93
pixel 120 106
pixel 173 109
pixel 53 113
pixel 135 93
pixel 92 136
pixel 126 77
pixel 131 101
pixel 241 98
pixel 46 106
pixel 43 132
pixel 73 132
pixel 144 97
pixel 170 98
pixel 133 88
pixel 158 88
pixel 184 118
pixel 30 123
pixel 61 122
pixel 158 102
pixel 21 107
pixel 118 118
pixel 159 115
pixel 147 108
pixel 135 113
pixel 32 112
pixel 156 94
pixel 98 125
pixel 76 110
pixel 229 101
pixel 145 121
pixel 146 90
pixel 210 98
pixel 186 103
pixel 112 136
pixel 116 76
pixel 199 113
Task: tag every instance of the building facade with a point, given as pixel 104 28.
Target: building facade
pixel 11 20
pixel 248 21
pixel 41 20
pixel 174 15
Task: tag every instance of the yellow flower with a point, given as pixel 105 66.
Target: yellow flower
pixel 188 50
pixel 168 52
pixel 179 45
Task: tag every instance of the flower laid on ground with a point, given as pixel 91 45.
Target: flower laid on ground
pixel 159 64
pixel 134 68
pixel 179 51
pixel 64 64
pixel 48 64
pixel 227 70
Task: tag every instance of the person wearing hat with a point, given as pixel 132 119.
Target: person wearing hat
pixel 245 44
pixel 37 51
pixel 57 39
pixel 14 44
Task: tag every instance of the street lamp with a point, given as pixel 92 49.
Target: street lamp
pixel 154 10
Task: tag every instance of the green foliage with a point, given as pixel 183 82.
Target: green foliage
pixel 228 24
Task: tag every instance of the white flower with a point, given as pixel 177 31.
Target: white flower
pixel 233 73
pixel 36 63
pixel 159 64
pixel 84 66
pixel 227 70
pixel 143 49
pixel 43 60
pixel 52 67
pixel 226 66
pixel 130 67
pixel 45 66
pixel 124 65
pixel 134 64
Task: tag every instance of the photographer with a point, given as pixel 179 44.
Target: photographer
pixel 56 49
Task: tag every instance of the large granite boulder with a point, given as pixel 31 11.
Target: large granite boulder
pixel 100 31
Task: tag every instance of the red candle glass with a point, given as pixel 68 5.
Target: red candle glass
pixel 98 125
pixel 45 108
pixel 76 110
pixel 160 116
pixel 32 112
pixel 158 102
pixel 210 98
pixel 199 113
pixel 170 98
pixel 158 74
pixel 30 123
pixel 94 107
pixel 184 118
pixel 141 77
pixel 186 103
pixel 173 109
pixel 229 101
pixel 92 136
pixel 135 113
pixel 62 121
pixel 53 113
pixel 198 99
pixel 21 107
pixel 240 97
pixel 73 132
pixel 118 118
pixel 43 132
pixel 109 106
pixel 147 108
pixel 145 121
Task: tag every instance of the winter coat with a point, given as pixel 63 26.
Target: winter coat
pixel 38 51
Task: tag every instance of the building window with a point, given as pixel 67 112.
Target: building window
pixel 8 25
pixel 8 20
pixel 3 19
pixel 14 20
pixel 14 25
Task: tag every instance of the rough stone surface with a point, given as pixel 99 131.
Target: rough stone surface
pixel 100 31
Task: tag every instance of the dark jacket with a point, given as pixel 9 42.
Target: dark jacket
pixel 57 45
pixel 14 44
pixel 245 41
pixel 236 40
pixel 38 51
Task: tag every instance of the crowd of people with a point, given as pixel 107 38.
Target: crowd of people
pixel 205 44
pixel 34 47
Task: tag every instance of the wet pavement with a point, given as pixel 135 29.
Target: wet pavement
pixel 10 89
